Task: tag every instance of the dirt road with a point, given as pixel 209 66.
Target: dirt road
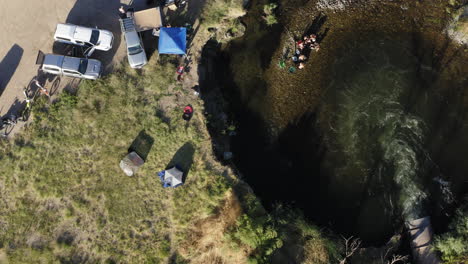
pixel 28 26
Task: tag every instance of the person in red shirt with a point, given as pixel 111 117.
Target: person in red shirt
pixel 188 113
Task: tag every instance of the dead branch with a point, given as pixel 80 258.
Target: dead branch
pixel 351 245
pixel 397 258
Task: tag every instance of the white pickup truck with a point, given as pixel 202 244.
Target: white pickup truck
pixel 69 66
pixel 92 38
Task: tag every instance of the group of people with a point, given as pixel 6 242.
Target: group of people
pixel 309 42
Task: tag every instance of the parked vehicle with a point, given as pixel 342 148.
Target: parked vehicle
pixel 91 38
pixel 135 51
pixel 69 66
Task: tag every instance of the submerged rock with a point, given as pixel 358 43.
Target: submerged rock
pixel 458 29
pixel 335 4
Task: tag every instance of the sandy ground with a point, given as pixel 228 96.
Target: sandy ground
pixel 28 26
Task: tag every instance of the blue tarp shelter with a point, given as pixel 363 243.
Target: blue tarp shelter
pixel 172 177
pixel 172 40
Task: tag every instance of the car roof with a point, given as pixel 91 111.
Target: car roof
pixel 65 30
pixel 82 33
pixel 132 39
pixel 71 63
pixel 53 60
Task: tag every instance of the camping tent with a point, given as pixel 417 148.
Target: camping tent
pixel 172 40
pixel 171 177
pixel 130 163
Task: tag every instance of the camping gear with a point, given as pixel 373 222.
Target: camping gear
pixel 180 70
pixel 172 40
pixel 172 177
pixel 188 113
pixel 131 163
pixel 282 64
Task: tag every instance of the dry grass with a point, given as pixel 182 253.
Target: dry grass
pixel 63 197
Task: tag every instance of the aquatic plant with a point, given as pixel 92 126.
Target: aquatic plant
pixel 269 17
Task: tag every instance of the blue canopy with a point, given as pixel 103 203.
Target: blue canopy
pixel 172 40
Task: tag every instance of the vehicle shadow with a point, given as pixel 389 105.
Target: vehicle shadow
pixel 183 158
pixel 104 15
pixel 142 144
pixel 8 65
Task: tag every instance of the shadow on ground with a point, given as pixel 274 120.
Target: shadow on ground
pixel 8 65
pixel 142 144
pixel 102 14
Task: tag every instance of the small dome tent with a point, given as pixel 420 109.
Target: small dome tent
pixel 171 177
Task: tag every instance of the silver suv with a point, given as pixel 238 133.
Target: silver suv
pixel 135 51
pixel 70 66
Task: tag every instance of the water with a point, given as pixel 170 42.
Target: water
pixel 375 145
pixel 374 138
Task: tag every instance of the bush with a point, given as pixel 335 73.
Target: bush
pixel 257 230
pixel 269 17
pixel 216 11
pixel 453 245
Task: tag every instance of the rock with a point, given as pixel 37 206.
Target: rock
pixel 335 4
pixel 458 28
pixel 227 155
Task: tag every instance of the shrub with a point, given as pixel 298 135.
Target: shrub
pixel 269 17
pixel 257 230
pixel 453 245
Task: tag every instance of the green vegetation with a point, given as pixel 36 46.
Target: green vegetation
pixel 64 199
pixel 217 11
pixel 63 196
pixel 453 245
pixel 273 235
pixel 269 17
pixel 256 230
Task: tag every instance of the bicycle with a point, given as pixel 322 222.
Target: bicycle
pixel 7 124
pixel 26 112
pixel 42 90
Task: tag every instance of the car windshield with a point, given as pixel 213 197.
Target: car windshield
pixel 94 37
pixel 83 66
pixel 134 50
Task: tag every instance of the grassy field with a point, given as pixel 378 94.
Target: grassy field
pixel 64 199
pixel 62 193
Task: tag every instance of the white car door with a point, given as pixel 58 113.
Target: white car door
pixel 71 73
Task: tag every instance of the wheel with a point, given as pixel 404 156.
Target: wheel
pixel 25 114
pixel 55 85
